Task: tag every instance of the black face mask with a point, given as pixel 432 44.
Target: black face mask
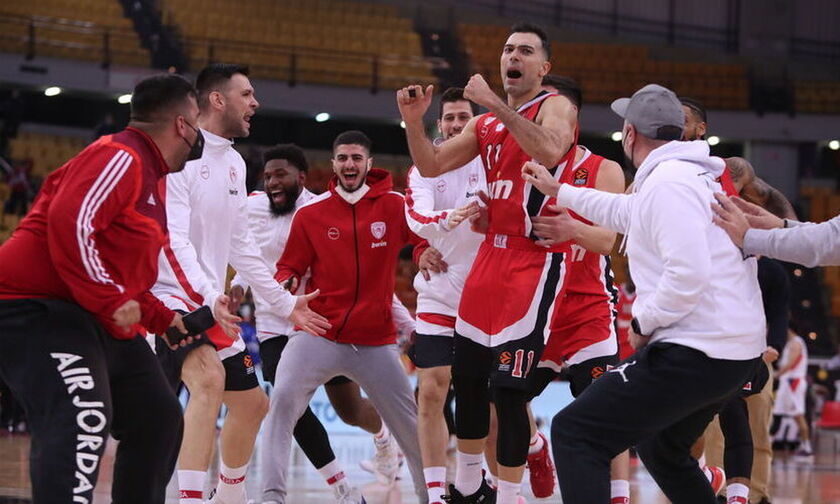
pixel 197 147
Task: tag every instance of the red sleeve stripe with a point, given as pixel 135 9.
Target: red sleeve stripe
pixel 409 201
pixel 102 187
pixel 173 260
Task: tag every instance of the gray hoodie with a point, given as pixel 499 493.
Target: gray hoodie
pixel 694 287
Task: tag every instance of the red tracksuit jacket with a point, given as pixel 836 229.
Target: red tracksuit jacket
pixel 94 234
pixel 352 251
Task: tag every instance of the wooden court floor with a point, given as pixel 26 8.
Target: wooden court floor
pixel 793 482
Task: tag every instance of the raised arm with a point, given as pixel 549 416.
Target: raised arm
pixel 429 159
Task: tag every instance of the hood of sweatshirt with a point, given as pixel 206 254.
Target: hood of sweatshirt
pixel 379 181
pixel 696 152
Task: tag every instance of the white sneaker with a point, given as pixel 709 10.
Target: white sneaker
pixel 386 463
pixel 345 494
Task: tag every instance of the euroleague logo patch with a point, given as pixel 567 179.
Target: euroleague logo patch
pixel 597 372
pixel 249 364
pixel 505 359
pixel 333 234
pixel 581 177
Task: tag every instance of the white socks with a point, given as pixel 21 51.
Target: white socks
pixel 468 472
pixel 619 492
pixel 536 444
pixel 737 493
pixel 231 487
pixel 191 486
pixel 332 473
pixel 435 483
pixel 508 492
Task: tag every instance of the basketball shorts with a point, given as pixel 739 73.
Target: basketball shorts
pixel 790 397
pixel 226 346
pixel 580 375
pixel 240 373
pixel 583 328
pixel 505 310
pixel 434 343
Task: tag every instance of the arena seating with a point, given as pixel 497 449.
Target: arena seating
pixel 73 29
pixel 823 204
pixel 818 97
pixel 45 152
pixel 607 71
pixel 317 41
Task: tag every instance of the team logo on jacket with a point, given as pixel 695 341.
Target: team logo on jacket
pixel 441 186
pixel 378 229
pixel 232 174
pixel 581 177
pixel 204 172
pixel 333 234
pixel 473 179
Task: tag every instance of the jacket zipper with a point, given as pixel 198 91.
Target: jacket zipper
pixel 358 268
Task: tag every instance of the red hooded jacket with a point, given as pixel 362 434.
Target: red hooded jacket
pixel 94 234
pixel 352 251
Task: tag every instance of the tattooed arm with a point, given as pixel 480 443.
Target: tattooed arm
pixel 755 190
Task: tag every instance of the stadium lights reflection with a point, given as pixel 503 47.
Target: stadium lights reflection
pixel 402 124
pixel 124 99
pixel 834 145
pixel 322 117
pixel 812 336
pixel 616 136
pixel 713 140
pixel 52 91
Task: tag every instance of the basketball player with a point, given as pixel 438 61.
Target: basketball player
pixel 793 386
pixel 435 207
pixel 208 229
pixel 624 307
pixel 349 240
pixel 583 334
pixel 269 218
pixel 690 325
pixel 74 280
pixel 500 336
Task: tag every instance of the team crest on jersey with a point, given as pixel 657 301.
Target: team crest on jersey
pixel 473 179
pixel 333 234
pixel 441 186
pixel 204 172
pixel 485 128
pixel 581 177
pixel 377 229
pixel 232 174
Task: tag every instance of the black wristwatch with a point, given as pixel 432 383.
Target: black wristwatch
pixel 634 324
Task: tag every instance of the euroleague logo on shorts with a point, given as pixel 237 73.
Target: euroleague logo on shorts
pixel 249 364
pixel 504 361
pixel 597 372
pixel 333 234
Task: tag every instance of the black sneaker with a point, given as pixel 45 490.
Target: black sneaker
pixel 484 495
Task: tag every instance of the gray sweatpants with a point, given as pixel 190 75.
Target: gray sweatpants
pixel 310 361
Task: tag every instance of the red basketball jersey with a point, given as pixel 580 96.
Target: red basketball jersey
pixel 512 201
pixel 727 183
pixel 588 272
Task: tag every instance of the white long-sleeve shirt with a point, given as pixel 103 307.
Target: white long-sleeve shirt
pixel 271 232
pixel 206 210
pixel 804 243
pixel 429 203
pixel 694 287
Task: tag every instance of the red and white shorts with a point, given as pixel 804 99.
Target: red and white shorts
pixel 583 327
pixel 510 292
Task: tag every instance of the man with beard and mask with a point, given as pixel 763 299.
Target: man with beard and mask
pixel 509 295
pixel 269 218
pixel 206 207
pixel 348 240
pixel 74 299
pixel 697 320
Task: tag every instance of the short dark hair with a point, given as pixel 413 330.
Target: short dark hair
pixel 353 137
pixel 696 107
pixel 536 30
pixel 290 152
pixel 455 94
pixel 565 86
pixel 157 95
pixel 213 76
